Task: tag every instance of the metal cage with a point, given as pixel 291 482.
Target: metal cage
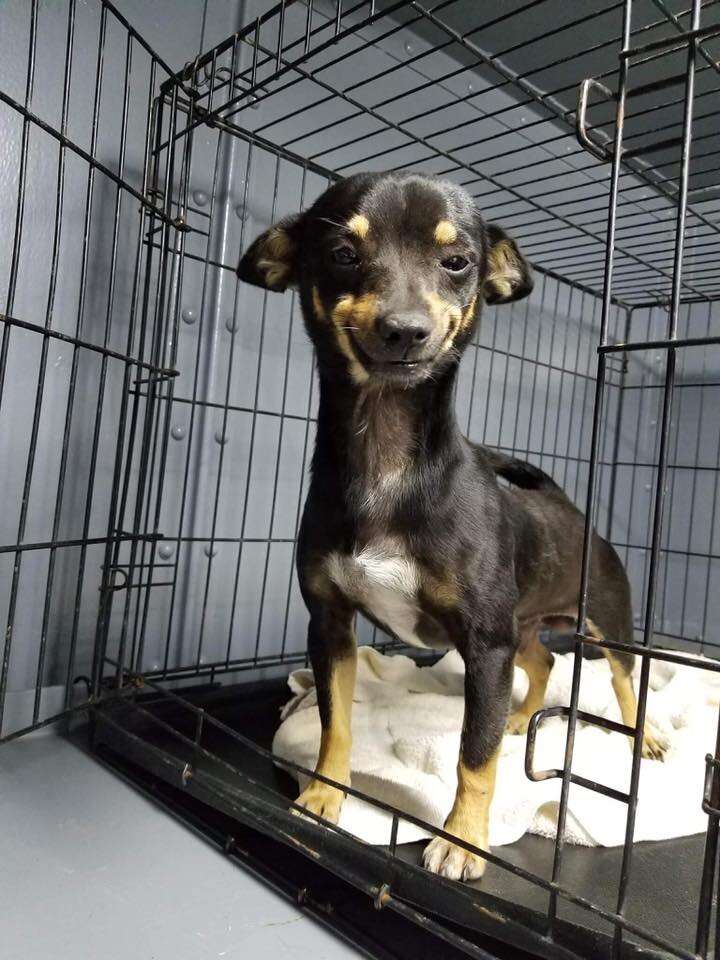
pixel 156 416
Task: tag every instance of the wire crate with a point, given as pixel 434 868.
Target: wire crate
pixel 157 416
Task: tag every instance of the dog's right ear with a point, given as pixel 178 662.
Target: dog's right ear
pixel 272 260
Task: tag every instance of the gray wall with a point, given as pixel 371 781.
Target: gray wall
pixel 687 605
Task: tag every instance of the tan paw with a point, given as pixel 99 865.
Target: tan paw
pixel 517 722
pixel 655 744
pixel 322 800
pixel 451 861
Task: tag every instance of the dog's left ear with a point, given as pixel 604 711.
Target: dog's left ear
pixel 272 260
pixel 508 273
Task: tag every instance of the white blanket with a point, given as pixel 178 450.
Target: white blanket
pixel 406 734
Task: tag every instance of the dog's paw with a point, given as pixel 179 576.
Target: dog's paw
pixel 517 722
pixel 449 860
pixel 655 744
pixel 322 800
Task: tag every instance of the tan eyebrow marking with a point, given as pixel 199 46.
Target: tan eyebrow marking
pixel 359 225
pixel 445 232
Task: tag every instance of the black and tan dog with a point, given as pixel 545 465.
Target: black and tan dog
pixel 405 520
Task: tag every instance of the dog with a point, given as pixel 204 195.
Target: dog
pixel 405 520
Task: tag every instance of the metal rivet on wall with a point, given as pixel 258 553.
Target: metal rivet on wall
pixel 189 315
pixel 408 47
pixel 178 432
pixel 209 550
pixel 240 211
pixel 165 551
pixel 253 100
pixel 221 437
pixel 200 197
pixel 231 324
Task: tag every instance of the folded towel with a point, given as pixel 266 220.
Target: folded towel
pixel 406 735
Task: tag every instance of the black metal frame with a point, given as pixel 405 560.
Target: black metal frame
pixel 260 64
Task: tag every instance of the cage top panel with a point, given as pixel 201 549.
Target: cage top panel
pixel 486 95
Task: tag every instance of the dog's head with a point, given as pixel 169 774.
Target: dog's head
pixel 392 272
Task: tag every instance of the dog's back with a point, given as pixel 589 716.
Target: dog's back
pixel 550 532
pixel 518 472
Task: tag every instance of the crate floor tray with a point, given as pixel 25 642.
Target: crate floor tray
pixel 159 734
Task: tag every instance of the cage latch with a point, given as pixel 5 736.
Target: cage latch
pixel 592 146
pixel 712 764
pixel 537 775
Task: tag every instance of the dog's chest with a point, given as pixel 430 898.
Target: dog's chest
pixel 382 579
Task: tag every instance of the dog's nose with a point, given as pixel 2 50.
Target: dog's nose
pixel 401 332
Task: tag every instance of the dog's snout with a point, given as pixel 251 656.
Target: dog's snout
pixel 401 332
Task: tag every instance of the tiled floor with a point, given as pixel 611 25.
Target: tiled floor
pixel 89 869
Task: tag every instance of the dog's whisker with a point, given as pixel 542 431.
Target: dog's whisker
pixel 332 223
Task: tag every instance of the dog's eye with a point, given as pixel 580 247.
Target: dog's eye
pixel 345 256
pixel 455 264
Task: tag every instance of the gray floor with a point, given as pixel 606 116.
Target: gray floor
pixel 89 868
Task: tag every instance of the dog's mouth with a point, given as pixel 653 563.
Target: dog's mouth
pixel 409 364
pixel 392 368
pixel 405 371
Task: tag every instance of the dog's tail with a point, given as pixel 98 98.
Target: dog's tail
pixel 519 472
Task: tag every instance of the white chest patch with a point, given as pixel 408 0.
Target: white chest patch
pixel 385 581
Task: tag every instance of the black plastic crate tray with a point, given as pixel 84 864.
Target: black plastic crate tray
pixel 235 780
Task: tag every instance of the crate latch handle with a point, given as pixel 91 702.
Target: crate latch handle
pixel 596 149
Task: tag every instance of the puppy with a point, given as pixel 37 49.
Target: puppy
pixel 405 520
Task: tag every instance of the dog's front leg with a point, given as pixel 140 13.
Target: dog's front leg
pixel 333 654
pixel 488 682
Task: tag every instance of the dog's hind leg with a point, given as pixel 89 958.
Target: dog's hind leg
pixel 621 666
pixel 537 663
pixel 488 681
pixel 333 654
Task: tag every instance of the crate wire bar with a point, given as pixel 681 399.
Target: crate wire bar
pixel 185 404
